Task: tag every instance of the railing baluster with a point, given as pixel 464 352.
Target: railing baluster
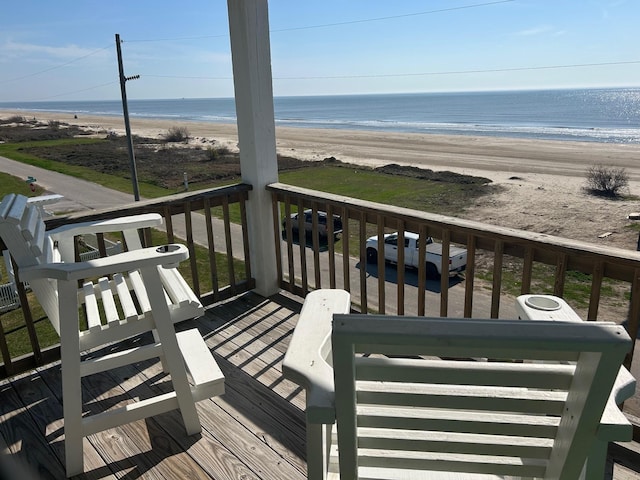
pixel 102 249
pixel 302 243
pixel 527 270
pixel 213 265
pixel 168 222
pixel 289 230
pixel 278 240
pixel 497 278
pixel 444 278
pixel 346 267
pixel 561 274
pixel 4 348
pixel 363 261
pixel 245 238
pixel 469 276
pixel 596 289
pixel 146 236
pixel 192 250
pixel 381 266
pixel 316 244
pixel 633 320
pixel 229 245
pixel 422 269
pixel 401 268
pixel 28 317
pixel 331 247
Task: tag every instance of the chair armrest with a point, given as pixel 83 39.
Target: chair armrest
pixel 105 226
pixel 624 386
pixel 305 362
pixel 166 255
pixel 614 425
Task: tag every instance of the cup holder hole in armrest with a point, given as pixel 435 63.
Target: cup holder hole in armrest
pixel 167 248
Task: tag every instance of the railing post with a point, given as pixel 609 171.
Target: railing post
pixel 250 51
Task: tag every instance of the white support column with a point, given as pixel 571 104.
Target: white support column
pixel 250 50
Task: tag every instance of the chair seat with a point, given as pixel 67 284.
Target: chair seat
pixel 122 303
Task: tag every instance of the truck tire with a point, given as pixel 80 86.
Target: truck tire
pixel 372 255
pixel 432 271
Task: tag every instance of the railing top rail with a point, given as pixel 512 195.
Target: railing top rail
pixel 174 202
pixel 460 229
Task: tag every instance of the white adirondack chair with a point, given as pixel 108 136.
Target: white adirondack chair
pixel 139 291
pixel 402 412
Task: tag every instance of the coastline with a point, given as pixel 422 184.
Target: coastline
pixel 542 180
pixel 495 156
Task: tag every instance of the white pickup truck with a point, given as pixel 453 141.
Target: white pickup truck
pixel 457 255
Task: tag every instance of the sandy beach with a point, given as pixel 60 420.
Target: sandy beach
pixel 543 180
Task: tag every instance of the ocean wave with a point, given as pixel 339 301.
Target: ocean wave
pixel 560 132
pixel 600 115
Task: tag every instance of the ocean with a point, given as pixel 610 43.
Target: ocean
pixel 595 115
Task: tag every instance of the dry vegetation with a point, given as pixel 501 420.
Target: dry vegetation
pixel 164 161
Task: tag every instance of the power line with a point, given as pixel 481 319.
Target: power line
pixel 273 31
pixel 200 37
pixel 351 22
pixel 75 91
pixel 326 25
pixel 187 77
pixel 417 74
pixel 459 72
pixel 55 67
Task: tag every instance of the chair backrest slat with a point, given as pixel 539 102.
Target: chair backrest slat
pixel 24 233
pixel 450 371
pixel 30 222
pixel 16 211
pixel 5 205
pixel 37 241
pixel 504 416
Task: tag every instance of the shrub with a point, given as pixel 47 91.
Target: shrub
pixel 15 119
pixel 54 124
pixel 214 153
pixel 177 134
pixel 607 181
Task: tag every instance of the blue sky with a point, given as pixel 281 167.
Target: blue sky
pixel 65 50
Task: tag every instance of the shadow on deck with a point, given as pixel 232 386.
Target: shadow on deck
pixel 256 430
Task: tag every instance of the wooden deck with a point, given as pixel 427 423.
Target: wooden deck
pixel 254 431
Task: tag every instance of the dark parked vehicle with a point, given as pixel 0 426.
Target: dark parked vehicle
pixel 308 223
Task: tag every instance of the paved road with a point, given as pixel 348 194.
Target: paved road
pixel 82 195
pixel 78 194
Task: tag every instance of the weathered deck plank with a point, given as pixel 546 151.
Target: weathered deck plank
pixel 255 430
pixel 23 433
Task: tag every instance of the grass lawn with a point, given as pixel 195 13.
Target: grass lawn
pixel 444 197
pixel 17 151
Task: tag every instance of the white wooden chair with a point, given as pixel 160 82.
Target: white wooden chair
pixel 121 296
pixel 402 412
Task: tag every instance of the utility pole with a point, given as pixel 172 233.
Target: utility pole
pixel 127 127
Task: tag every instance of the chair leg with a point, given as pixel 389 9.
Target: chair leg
pixel 173 357
pixel 318 450
pixel 71 381
pixel 163 360
pixel 595 465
